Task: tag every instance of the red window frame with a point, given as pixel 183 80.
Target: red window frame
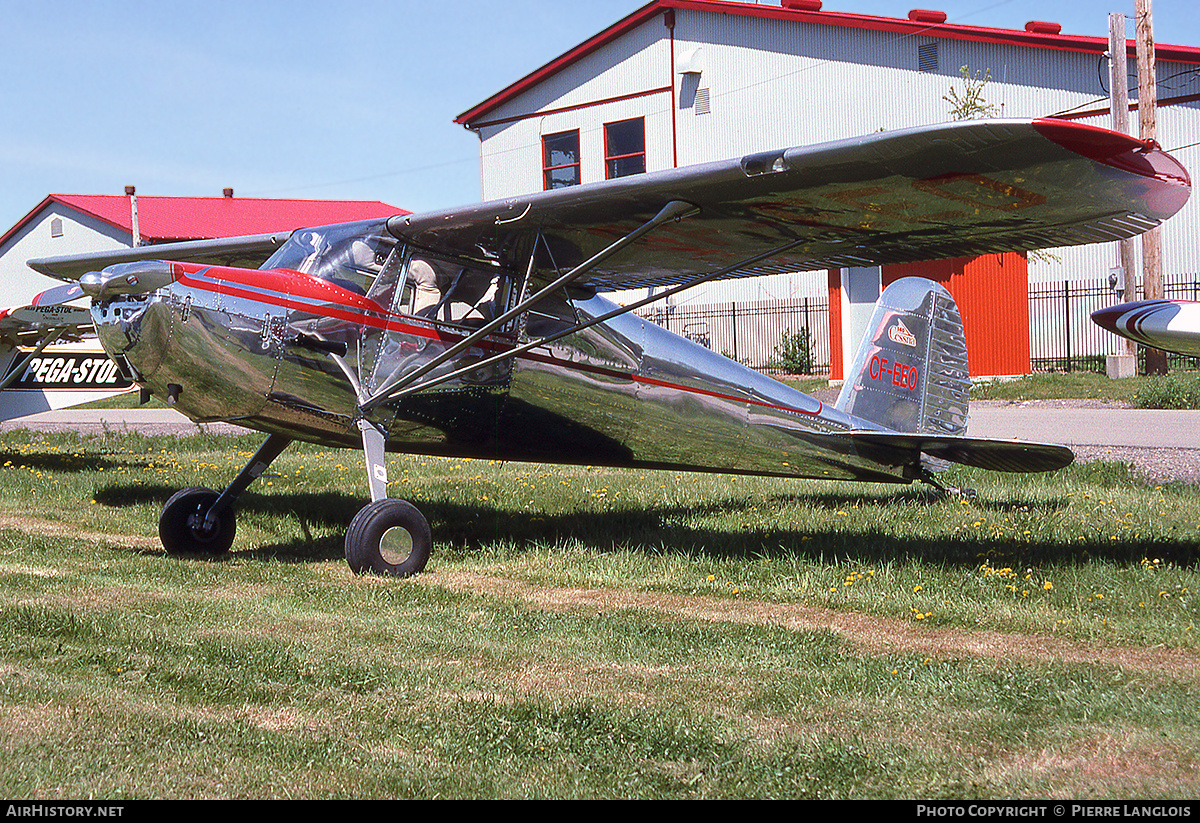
pixel 618 164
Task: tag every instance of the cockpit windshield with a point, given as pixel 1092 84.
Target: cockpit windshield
pixel 350 256
pixel 366 259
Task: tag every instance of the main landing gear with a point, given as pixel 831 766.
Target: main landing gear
pixel 387 536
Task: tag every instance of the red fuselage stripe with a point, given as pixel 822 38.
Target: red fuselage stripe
pixel 378 318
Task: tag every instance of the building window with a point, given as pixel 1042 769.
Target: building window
pixel 56 227
pixel 560 160
pixel 624 148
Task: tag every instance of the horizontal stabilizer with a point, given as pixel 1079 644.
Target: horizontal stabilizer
pixel 901 449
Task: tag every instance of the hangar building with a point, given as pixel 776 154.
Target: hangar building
pixel 65 224
pixel 679 82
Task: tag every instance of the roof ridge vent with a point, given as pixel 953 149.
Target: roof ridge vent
pixel 927 16
pixel 1043 27
pixel 801 5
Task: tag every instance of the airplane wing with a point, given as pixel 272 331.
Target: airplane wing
pixel 248 252
pixel 952 190
pixel 1170 325
pixel 47 314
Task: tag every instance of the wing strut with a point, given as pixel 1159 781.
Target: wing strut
pixel 16 373
pixel 675 210
pixel 508 354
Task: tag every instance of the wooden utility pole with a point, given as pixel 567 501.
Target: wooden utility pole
pixel 1152 278
pixel 1118 73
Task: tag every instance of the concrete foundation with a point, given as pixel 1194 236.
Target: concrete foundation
pixel 1118 366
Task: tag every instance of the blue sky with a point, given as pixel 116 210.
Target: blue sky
pixel 306 99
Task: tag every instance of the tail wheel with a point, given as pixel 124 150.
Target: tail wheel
pixel 181 526
pixel 388 537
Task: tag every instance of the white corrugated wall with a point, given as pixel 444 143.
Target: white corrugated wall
pixel 765 84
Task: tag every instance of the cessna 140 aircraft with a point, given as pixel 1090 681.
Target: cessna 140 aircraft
pixel 482 331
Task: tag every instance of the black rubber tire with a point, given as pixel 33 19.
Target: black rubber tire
pixel 388 537
pixel 178 524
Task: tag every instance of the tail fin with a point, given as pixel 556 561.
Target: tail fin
pixel 910 373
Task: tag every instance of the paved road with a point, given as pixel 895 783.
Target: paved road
pixel 1161 445
pixel 1048 422
pixel 147 421
pixel 1072 425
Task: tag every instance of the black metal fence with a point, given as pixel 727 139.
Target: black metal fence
pixel 783 335
pixel 793 335
pixel 1062 336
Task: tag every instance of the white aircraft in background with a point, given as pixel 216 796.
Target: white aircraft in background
pixel 1169 325
pixel 50 357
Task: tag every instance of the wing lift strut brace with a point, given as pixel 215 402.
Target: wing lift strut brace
pixel 397 386
pixel 16 373
pixel 375 438
pixel 410 385
pixel 673 211
pixel 401 386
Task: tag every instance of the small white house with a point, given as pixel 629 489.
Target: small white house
pixel 75 223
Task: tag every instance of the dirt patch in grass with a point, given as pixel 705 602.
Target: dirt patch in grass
pixel 51 528
pixel 874 634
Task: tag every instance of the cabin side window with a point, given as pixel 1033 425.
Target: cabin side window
pixel 383 288
pixel 451 291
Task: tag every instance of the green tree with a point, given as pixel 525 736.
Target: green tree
pixel 971 105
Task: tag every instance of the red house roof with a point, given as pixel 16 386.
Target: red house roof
pixel 167 219
pixel 1036 34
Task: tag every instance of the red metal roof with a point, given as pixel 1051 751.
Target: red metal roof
pixel 1036 34
pixel 166 219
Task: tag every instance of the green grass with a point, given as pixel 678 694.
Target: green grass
pixel 1059 386
pixel 1176 390
pixel 584 632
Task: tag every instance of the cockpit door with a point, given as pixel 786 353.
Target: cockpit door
pixel 338 303
pixel 438 303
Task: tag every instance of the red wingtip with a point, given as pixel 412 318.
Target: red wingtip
pixel 1142 157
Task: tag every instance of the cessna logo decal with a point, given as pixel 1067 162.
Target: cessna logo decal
pixel 898 374
pixel 71 370
pixel 899 333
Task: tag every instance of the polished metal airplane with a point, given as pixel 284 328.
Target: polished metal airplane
pixel 483 332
